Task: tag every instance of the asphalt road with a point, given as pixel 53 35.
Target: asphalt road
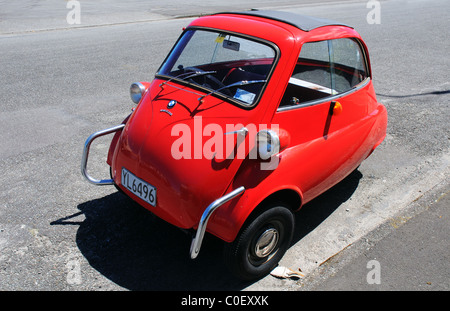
pixel 410 252
pixel 59 83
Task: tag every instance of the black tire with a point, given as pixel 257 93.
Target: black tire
pixel 242 257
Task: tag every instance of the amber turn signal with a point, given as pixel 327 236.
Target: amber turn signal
pixel 337 108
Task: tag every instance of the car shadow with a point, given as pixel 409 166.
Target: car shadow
pixel 138 251
pixel 444 92
pixel 316 211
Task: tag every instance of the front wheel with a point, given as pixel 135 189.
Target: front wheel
pixel 261 244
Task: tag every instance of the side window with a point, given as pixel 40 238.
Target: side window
pixel 348 64
pixel 311 78
pixel 325 68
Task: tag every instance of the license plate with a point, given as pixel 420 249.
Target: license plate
pixel 138 187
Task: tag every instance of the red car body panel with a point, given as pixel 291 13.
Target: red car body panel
pixel 322 161
pixel 185 186
pixel 321 147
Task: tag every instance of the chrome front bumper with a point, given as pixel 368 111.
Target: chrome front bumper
pixel 198 238
pixel 84 159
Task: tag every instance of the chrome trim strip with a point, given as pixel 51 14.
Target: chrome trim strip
pixel 87 146
pixel 326 99
pixel 166 111
pixel 197 240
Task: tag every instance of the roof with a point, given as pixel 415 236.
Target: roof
pixel 303 22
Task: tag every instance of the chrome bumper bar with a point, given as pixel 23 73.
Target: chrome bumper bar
pixel 87 146
pixel 197 240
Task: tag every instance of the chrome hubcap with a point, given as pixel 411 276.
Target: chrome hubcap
pixel 266 242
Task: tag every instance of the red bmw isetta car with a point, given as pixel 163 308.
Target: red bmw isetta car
pixel 250 116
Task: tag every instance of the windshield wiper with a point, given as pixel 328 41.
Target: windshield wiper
pixel 189 75
pixel 239 83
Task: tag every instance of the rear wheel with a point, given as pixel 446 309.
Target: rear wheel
pixel 262 243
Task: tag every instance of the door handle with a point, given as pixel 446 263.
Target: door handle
pixel 243 132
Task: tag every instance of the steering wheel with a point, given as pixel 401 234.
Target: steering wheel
pixel 208 80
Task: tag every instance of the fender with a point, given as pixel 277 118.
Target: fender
pixel 228 219
pixel 112 146
pixel 380 127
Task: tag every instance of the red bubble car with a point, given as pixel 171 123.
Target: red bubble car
pixel 250 116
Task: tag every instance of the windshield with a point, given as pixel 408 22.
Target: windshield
pixel 223 64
